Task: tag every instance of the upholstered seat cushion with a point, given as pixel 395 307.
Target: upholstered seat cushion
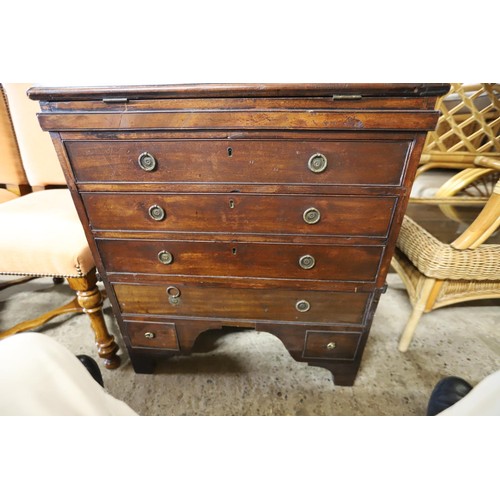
pixel 6 195
pixel 41 234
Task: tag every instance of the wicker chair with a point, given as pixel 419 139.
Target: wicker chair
pixel 436 274
pixel 469 126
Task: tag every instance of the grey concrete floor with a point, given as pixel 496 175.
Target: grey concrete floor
pixel 251 373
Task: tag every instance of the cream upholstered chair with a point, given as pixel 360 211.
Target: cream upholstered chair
pixel 438 274
pixel 41 232
pixel 13 180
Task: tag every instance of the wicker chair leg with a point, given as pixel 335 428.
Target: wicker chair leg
pixel 418 309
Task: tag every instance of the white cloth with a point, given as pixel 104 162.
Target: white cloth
pixel 482 400
pixel 39 376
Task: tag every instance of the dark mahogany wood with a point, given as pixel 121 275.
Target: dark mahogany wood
pixel 232 90
pixel 331 345
pixel 152 335
pixel 256 260
pixel 240 120
pixel 251 304
pixel 173 103
pixel 231 175
pixel 240 161
pixel 238 213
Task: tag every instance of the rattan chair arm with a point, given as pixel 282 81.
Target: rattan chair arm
pixel 485 161
pixel 460 181
pixel 455 201
pixel 485 224
pixel 454 158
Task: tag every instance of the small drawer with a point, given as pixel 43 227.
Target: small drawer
pixel 154 335
pixel 305 306
pixel 257 260
pixel 356 161
pixel 242 213
pixel 331 345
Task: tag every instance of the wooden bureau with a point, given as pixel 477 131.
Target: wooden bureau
pixel 271 207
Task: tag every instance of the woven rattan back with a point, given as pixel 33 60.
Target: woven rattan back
pixel 470 121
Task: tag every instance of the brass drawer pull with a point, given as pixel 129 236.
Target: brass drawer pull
pixel 147 162
pixel 302 306
pixel 156 212
pixel 173 294
pixel 317 163
pixel 331 346
pixel 150 335
pixel 311 215
pixel 307 262
pixel 165 257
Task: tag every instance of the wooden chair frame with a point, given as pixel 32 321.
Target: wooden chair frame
pixel 88 300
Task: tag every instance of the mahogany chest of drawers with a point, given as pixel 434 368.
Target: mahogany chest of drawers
pixel 271 207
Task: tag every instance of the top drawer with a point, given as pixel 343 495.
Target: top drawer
pixel 353 162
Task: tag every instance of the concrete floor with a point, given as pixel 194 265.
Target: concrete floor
pixel 251 373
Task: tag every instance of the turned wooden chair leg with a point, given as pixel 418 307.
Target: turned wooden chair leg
pixel 90 299
pixel 418 309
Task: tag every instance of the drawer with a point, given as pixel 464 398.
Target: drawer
pixel 240 213
pixel 331 345
pixel 258 260
pixel 240 161
pixel 154 335
pixel 175 299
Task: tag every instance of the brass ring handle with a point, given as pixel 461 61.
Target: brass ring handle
pixel 302 306
pixel 156 212
pixel 311 215
pixel 146 161
pixel 173 294
pixel 173 291
pixel 307 262
pixel 149 335
pixel 165 257
pixel 317 163
pixel 331 346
